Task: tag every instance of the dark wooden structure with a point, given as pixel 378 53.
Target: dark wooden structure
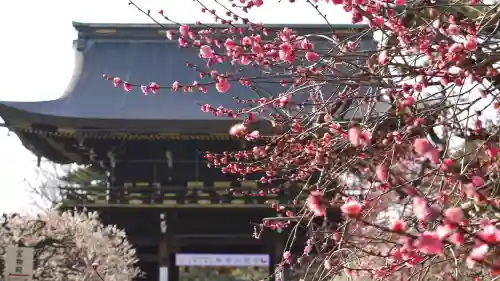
pixel 150 147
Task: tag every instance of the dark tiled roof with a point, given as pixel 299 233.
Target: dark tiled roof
pixel 138 53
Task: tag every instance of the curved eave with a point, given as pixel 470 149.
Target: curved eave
pixel 41 148
pixel 20 119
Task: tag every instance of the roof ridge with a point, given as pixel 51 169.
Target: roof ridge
pixel 153 30
pixel 82 25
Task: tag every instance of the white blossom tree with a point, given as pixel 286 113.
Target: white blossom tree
pixel 71 246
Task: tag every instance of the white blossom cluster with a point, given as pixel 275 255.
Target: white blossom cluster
pixel 71 246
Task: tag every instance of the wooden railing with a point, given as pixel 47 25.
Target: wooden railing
pixel 195 194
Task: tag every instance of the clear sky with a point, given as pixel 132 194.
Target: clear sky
pixel 36 58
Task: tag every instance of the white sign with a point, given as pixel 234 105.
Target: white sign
pixel 19 264
pixel 163 273
pixel 229 260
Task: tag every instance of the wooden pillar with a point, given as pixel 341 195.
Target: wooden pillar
pixel 173 269
pixel 163 250
pixel 279 248
pixel 163 259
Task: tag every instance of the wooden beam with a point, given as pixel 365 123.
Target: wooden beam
pixel 143 240
pixel 60 148
pixel 166 206
pixel 220 241
pixel 150 258
pixel 211 236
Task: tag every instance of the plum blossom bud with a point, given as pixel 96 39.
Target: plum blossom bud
pixel 408 101
pixel 258 3
pixel 169 34
pixel 222 85
pixel 477 254
pixel 379 21
pixel 312 56
pixel 184 30
pixel 287 257
pixel 306 44
pixel 477 181
pixel 436 24
pixel 182 42
pixel 430 244
pixel 145 89
pixel 229 44
pixel 490 234
pixel 382 173
pixel 383 58
pixel 175 86
pixel 238 130
pixel 116 82
pixel 444 231
pixel 253 136
pixel 315 203
pixel 433 156
pixel 358 137
pixel 399 226
pixel 471 43
pixel 454 215
pixel 457 239
pixel 154 87
pixel 206 52
pixel 351 208
pixel 456 48
pixel 420 208
pixel 453 29
pixel 127 87
pixel 447 165
pixel 421 146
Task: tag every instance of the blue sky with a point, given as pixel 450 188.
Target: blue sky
pixel 36 58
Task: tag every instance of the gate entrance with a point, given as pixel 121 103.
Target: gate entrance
pixel 222 267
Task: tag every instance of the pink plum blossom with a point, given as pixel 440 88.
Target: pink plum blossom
pixel 352 208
